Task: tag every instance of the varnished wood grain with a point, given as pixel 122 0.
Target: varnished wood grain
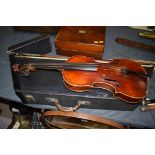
pixel 80 41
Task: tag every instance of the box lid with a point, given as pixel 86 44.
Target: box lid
pixel 81 34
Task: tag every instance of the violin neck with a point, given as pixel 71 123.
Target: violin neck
pixel 69 66
pixel 84 67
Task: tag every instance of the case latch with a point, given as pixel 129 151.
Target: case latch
pixel 29 98
pixel 148 105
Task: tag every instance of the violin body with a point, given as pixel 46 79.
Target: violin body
pixel 123 77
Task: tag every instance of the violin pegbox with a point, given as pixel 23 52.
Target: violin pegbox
pixel 23 70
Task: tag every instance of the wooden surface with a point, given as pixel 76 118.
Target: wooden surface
pixel 135 44
pixel 88 41
pixel 76 120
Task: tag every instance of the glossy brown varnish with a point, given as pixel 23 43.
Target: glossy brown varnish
pixel 131 88
pixel 70 42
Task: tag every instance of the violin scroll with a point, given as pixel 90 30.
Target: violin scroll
pixel 24 70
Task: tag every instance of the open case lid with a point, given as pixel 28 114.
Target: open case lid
pixel 37 45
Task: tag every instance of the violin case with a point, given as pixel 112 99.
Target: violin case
pixel 39 29
pixel 37 45
pixel 43 87
pixel 81 40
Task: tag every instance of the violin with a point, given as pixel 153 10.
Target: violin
pixel 126 79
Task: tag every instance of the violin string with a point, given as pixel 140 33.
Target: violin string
pixel 72 65
pixel 78 65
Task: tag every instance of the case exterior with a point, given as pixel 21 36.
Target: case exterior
pixel 39 29
pixel 81 40
pixel 38 45
pixel 44 84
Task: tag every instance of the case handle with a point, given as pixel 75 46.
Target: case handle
pixel 67 109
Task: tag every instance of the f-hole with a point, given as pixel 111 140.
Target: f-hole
pixel 112 81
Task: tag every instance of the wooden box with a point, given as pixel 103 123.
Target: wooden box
pixel 81 40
